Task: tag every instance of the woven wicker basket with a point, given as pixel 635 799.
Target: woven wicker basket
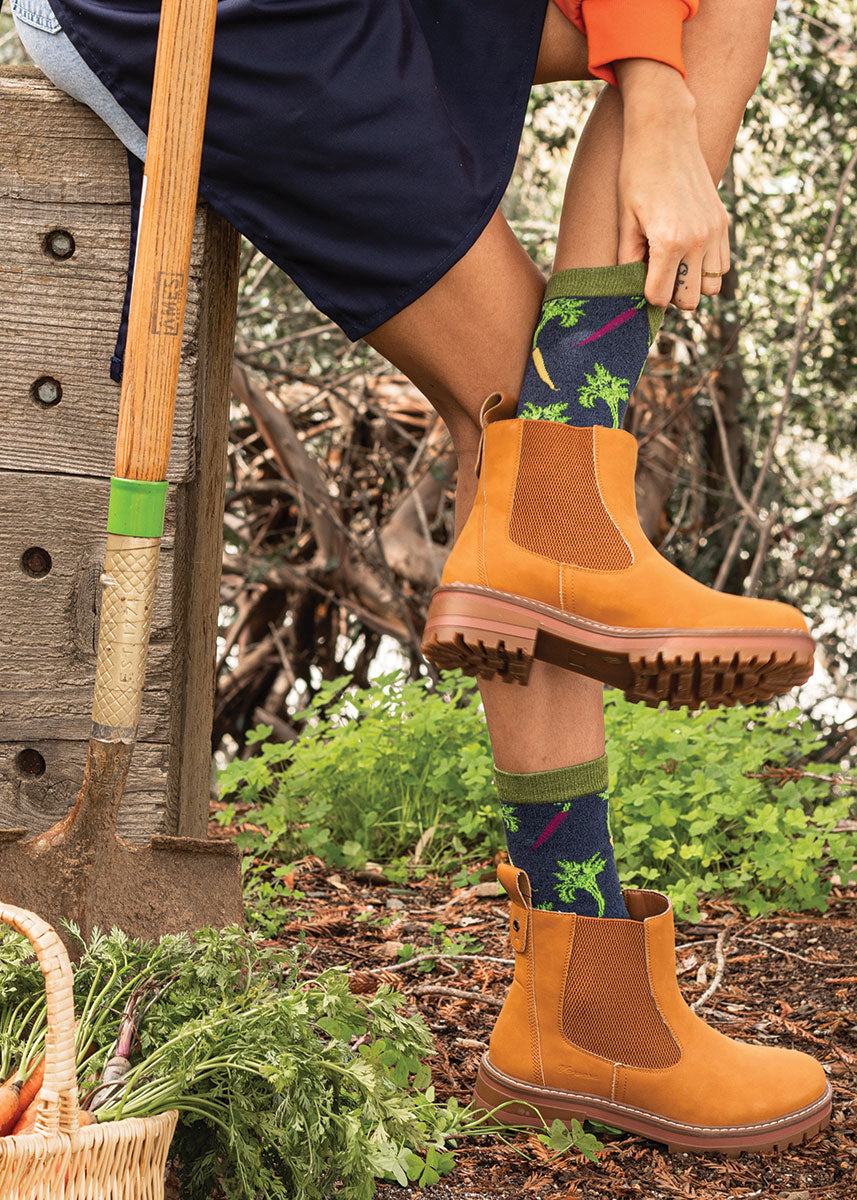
pixel 119 1160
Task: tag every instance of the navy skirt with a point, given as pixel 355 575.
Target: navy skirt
pixel 363 145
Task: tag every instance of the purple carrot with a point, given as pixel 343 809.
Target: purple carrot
pixel 113 1082
pixel 551 828
pixel 609 327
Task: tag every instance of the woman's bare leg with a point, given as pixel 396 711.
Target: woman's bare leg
pixel 470 334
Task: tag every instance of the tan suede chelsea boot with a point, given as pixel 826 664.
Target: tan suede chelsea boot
pixel 595 1027
pixel 552 564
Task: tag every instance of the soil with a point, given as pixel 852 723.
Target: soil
pixel 790 979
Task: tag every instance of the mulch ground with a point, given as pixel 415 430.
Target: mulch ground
pixel 790 979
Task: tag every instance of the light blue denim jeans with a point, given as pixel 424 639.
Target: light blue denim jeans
pixel 52 51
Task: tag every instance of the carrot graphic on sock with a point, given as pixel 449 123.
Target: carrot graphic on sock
pixel 551 827
pixel 568 312
pixel 607 388
pixel 609 327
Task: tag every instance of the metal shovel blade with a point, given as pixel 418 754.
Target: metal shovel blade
pixel 82 872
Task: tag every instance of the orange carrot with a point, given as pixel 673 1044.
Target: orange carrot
pixel 539 363
pixel 32 1085
pixel 27 1117
pixel 9 1097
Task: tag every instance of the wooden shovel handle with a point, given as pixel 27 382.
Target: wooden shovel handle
pixel 177 121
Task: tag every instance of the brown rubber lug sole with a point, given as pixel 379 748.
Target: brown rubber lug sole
pixel 494 634
pixel 511 1102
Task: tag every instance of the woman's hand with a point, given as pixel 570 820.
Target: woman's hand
pixel 669 209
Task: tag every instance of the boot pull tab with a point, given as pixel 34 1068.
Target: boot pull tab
pixel 491 411
pixel 517 885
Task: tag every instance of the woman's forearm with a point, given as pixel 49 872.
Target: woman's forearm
pixel 650 89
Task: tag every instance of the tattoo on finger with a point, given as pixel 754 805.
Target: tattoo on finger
pixel 681 280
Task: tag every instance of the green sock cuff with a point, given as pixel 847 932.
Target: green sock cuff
pixel 656 320
pixel 552 787
pixel 626 279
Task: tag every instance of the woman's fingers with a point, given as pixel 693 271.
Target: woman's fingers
pixel 684 268
pixel 664 260
pixel 632 241
pixel 688 281
pixel 725 250
pixel 715 262
pixel 671 214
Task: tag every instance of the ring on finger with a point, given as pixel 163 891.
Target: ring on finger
pixel 713 274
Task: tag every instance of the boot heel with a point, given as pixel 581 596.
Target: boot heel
pixel 479 636
pixel 500 1103
pixel 509 1105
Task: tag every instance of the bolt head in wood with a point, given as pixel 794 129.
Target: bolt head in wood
pixel 59 244
pixel 46 391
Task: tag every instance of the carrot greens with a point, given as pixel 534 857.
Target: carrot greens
pixel 286 1088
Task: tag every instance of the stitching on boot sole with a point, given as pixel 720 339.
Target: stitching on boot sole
pixel 587 622
pixel 808 1110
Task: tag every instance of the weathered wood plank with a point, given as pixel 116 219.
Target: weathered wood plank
pixel 60 321
pixel 55 150
pixel 36 802
pixel 199 540
pixel 60 168
pixel 48 624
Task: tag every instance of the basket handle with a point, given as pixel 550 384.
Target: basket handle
pixel 58 1111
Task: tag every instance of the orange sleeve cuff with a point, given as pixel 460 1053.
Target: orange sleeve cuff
pixel 618 29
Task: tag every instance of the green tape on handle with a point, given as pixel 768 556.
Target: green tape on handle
pixel 137 507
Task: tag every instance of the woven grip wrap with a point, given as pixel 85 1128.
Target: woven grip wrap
pixel 129 580
pixel 58 1110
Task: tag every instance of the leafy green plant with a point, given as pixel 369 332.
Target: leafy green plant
pixel 561 1138
pixel 269 900
pixel 604 386
pixel 558 411
pixel 382 771
pixel 286 1088
pixel 295 1090
pixel 565 309
pixel 696 810
pixel 574 877
pixel 377 773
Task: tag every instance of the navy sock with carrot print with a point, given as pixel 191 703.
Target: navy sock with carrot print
pixel 557 830
pixel 590 346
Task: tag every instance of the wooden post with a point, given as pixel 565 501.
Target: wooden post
pixel 64 230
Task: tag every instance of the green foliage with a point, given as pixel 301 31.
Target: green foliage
pixel 575 877
pixel 689 810
pixel 376 772
pixel 383 770
pixel 565 309
pixel 286 1089
pixel 509 818
pixel 269 897
pixel 560 1139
